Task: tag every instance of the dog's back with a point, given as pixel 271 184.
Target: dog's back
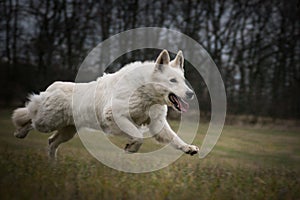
pixel 66 87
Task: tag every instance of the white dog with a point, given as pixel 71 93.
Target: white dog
pixel 136 95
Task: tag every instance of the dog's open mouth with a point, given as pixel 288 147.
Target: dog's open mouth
pixel 178 103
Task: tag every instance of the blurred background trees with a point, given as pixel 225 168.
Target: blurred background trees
pixel 255 44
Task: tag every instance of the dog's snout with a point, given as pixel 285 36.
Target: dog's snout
pixel 189 94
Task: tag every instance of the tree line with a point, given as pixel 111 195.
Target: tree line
pixel 254 43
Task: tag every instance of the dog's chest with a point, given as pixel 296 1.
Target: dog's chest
pixel 140 118
pixel 139 114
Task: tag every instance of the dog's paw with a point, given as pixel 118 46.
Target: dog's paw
pixel 128 148
pixel 190 149
pixel 132 147
pixel 20 133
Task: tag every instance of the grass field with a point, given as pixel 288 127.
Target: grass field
pixel 247 163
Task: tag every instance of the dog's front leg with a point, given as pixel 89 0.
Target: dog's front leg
pixel 163 133
pixel 135 135
pixel 133 145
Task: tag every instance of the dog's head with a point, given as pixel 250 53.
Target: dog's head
pixel 170 81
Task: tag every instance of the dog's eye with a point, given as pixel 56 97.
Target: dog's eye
pixel 173 80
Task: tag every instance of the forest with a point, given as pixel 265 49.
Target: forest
pixel 255 45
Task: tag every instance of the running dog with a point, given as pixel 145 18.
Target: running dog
pixel 137 95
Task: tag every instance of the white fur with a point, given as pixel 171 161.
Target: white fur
pixel 123 101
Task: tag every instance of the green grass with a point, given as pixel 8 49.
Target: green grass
pixel 247 163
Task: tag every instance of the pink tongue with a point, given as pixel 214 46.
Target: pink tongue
pixel 183 105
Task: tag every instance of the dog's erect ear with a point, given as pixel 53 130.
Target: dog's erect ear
pixel 162 59
pixel 179 60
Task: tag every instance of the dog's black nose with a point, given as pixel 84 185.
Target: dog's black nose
pixel 189 94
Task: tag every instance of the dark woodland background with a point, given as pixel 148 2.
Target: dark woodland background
pixel 254 43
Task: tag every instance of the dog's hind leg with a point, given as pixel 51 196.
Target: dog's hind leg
pixel 23 131
pixel 61 136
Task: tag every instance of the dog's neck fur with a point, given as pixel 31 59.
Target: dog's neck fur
pixel 141 102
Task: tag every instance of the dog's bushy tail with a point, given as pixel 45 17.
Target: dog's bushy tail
pixel 21 117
